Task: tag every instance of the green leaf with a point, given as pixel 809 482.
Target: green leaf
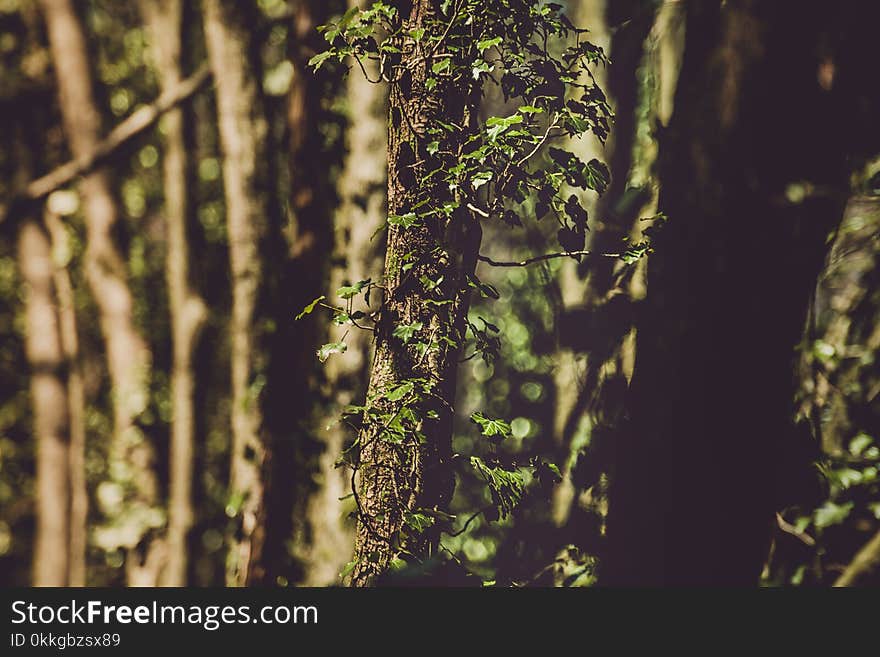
pixel 485 44
pixel 859 444
pixel 441 66
pixel 349 569
pixel 320 58
pixel 308 309
pixel 348 17
pixel 529 109
pixel 505 486
pixel 481 68
pixel 498 125
pixel 490 427
pixel 406 331
pixel 418 522
pixel 481 179
pixel 349 291
pixel 433 147
pixel 399 392
pixel 598 176
pixel 407 220
pixel 331 348
pixel 832 514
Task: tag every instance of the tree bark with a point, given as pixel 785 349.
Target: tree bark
pixel 229 28
pixel 326 540
pixel 188 312
pixel 397 479
pixel 128 357
pixel 697 467
pixel 50 411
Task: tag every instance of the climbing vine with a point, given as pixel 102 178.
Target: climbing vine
pixel 453 173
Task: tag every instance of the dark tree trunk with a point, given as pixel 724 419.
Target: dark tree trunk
pixel 753 177
pixel 324 538
pixel 301 276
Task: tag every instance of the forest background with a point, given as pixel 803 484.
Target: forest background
pixel 655 365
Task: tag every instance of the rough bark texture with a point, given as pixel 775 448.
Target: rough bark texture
pixel 128 358
pixel 229 27
pixel 395 479
pixel 188 311
pixel 325 539
pixel 701 465
pixel 49 402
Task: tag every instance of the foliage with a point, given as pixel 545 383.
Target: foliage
pixel 509 170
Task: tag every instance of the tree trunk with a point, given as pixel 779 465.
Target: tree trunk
pixel 49 401
pixel 326 540
pixel 613 217
pixel 128 357
pixel 697 468
pixel 398 479
pixel 229 28
pixel 188 312
pixel 79 495
pixel 299 274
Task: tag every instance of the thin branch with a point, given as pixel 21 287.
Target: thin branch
pixel 541 258
pixel 866 561
pixel 122 134
pixel 541 142
pixel 479 211
pixel 467 523
pixel 788 528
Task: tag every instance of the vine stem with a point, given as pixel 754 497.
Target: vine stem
pixel 547 256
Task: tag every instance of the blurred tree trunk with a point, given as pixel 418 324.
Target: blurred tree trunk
pixel 229 32
pixel 613 217
pixel 164 19
pixel 840 386
pixel 79 496
pixel 840 395
pixel 752 187
pixel 397 479
pixel 326 539
pixel 128 357
pixel 300 274
pixel 50 410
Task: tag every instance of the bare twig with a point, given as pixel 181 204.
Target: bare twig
pixel 541 258
pixel 788 528
pixel 122 134
pixel 467 523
